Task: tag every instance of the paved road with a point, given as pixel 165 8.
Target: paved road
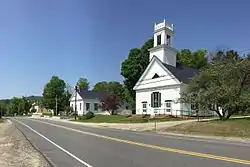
pixel 71 145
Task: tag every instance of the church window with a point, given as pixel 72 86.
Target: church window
pixel 158 39
pixel 156 99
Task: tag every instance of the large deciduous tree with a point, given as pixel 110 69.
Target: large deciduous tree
pixel 83 83
pixel 196 59
pixel 224 86
pixel 110 103
pixel 54 89
pixel 133 67
pixel 113 87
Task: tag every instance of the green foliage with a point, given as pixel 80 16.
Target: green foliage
pixel 55 88
pixel 16 105
pixel 112 87
pixel 133 67
pixel 20 106
pixel 89 115
pixel 83 83
pixel 196 59
pixel 225 84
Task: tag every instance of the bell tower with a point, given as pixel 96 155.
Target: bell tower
pixel 163 43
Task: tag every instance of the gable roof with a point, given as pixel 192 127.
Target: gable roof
pixel 89 94
pixel 181 72
pixel 152 61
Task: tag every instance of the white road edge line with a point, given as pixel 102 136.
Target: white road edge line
pixel 67 152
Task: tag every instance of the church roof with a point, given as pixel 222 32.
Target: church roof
pixel 182 72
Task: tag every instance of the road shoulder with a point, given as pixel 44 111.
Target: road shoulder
pixel 16 150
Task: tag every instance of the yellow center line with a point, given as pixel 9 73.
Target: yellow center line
pixel 203 155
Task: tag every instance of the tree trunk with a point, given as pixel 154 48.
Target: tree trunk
pixel 219 114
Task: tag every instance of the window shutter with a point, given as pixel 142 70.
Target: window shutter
pixel 152 99
pixel 159 100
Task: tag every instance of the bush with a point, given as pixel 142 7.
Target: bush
pixel 81 118
pixel 47 114
pixel 33 110
pixel 89 115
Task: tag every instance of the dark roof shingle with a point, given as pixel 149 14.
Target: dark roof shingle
pixel 89 94
pixel 181 72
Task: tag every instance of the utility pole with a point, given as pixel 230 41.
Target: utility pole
pixel 75 100
pixel 56 105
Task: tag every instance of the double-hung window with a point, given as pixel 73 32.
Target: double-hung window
pixel 168 105
pixel 144 107
pixel 156 100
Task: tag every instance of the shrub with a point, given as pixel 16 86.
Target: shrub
pixel 33 110
pixel 81 118
pixel 47 114
pixel 89 115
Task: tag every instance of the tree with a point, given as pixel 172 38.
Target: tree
pixel 26 104
pixel 83 83
pixel 109 87
pixel 3 109
pixel 110 103
pixel 224 86
pixel 55 88
pixel 133 67
pixel 196 59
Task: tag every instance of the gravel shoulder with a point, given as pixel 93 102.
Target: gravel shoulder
pixel 15 149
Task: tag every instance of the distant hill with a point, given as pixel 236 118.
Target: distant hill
pixel 33 98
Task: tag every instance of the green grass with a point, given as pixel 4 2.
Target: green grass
pixel 229 128
pixel 124 119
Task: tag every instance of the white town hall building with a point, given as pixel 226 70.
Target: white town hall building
pixel 159 88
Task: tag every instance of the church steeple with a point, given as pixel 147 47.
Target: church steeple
pixel 163 43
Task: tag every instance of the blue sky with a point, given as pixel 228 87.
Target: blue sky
pixel 90 38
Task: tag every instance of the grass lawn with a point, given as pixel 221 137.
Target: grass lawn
pixel 124 119
pixel 232 127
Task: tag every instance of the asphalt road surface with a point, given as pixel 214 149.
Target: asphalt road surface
pixel 71 145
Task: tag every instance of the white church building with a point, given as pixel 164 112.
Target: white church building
pixel 159 88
